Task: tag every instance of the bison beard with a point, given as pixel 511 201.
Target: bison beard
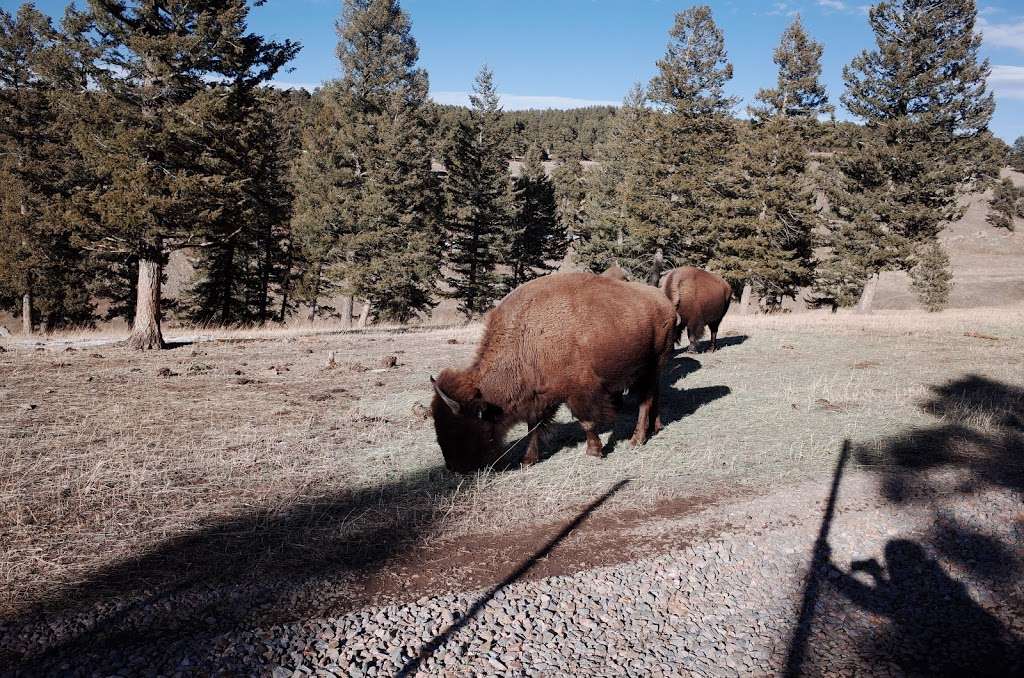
pixel 701 299
pixel 573 338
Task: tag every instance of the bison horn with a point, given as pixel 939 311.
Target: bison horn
pixel 452 404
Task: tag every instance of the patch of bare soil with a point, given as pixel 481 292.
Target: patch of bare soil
pixel 607 538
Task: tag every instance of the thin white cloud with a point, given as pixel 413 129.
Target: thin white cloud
pixel 1007 81
pixel 837 5
pixel 1009 35
pixel 520 102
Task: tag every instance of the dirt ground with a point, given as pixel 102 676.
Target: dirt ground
pixel 257 465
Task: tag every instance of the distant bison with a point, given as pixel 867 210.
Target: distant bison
pixel 700 298
pixel 615 272
pixel 574 338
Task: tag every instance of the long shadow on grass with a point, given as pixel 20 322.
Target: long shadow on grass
pixel 181 593
pixel 444 636
pixel 935 623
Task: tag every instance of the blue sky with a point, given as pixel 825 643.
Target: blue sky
pixel 561 53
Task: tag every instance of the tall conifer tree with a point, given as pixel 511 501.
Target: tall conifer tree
pixel 382 98
pixel 156 67
pixel 535 241
pixel 922 96
pixel 43 273
pixel 695 133
pixel 624 214
pixel 476 200
pixel 766 237
pixel 570 192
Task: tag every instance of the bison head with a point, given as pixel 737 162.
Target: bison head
pixel 469 430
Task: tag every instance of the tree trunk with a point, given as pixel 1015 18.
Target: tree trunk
pixel 146 328
pixel 314 307
pixel 26 314
pixel 264 300
pixel 346 311
pixel 867 297
pixel 228 281
pixel 286 278
pixel 364 317
pixel 745 299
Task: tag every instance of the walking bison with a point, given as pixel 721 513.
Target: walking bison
pixel 574 338
pixel 700 299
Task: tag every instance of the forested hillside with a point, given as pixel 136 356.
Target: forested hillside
pixel 150 171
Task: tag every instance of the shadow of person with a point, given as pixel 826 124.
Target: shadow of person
pixel 936 628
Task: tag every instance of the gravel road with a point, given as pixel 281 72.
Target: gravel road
pixel 931 586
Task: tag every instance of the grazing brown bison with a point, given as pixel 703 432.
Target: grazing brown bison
pixel 700 298
pixel 615 272
pixel 573 338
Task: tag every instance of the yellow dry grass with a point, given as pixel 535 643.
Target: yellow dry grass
pixel 246 455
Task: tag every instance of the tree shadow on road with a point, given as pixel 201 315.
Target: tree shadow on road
pixel 521 570
pixel 257 567
pixel 937 623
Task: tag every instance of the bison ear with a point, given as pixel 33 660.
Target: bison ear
pixel 452 404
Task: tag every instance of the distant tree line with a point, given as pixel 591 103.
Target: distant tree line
pixel 134 129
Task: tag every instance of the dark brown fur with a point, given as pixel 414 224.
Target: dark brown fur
pixel 701 299
pixel 573 338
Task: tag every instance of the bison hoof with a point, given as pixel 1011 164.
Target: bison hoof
pixel 529 460
pixel 595 451
pixel 637 440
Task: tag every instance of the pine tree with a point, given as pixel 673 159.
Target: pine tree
pixel 235 275
pixel 43 273
pixel 570 193
pixel 535 241
pixel 1006 205
pixel 157 72
pixel 695 133
pixel 326 180
pixel 921 94
pixel 930 277
pixel 766 238
pixel 1015 157
pixel 476 200
pixel 367 205
pixel 624 215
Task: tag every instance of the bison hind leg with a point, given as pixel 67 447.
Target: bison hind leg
pixel 695 331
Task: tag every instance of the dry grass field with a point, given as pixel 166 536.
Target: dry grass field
pixel 235 463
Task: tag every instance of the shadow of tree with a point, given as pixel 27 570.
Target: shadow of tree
pixel 445 635
pixel 242 569
pixel 935 624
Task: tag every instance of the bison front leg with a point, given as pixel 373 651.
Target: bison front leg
pixel 594 446
pixel 532 455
